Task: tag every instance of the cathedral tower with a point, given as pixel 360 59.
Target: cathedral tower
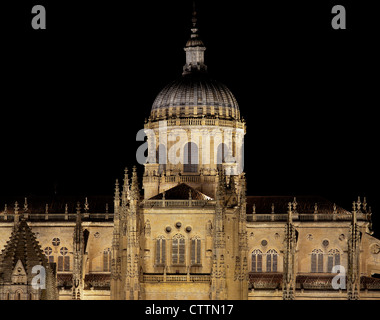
pixel 194 129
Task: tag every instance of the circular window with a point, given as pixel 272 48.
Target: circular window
pixel 178 225
pixel 63 251
pixel 188 229
pixel 48 251
pixel 325 243
pixel 168 229
pixel 96 234
pixel 264 243
pixel 56 242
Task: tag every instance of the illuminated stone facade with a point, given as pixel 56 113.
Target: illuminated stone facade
pixel 190 231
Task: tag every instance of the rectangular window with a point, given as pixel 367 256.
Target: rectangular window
pixel 51 259
pixel 269 262
pixel 320 262
pixel 192 251
pixel 313 263
pixel 60 263
pixel 198 251
pixel 195 251
pixel 66 263
pixel 253 263
pixel 330 262
pixel 274 263
pixel 337 259
pixel 106 261
pixel 175 251
pixel 163 251
pixel 259 266
pixel 181 251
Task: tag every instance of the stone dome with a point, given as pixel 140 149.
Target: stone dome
pixel 195 95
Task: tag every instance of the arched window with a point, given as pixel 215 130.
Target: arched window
pixel 317 261
pixel 18 295
pixel 257 261
pixel 221 155
pixel 190 158
pixel 161 158
pixel 333 259
pixel 195 251
pixel 272 258
pixel 63 260
pixel 49 254
pixel 178 249
pixel 107 260
pixel 161 250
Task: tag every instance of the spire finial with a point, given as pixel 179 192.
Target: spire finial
pixel 194 19
pixel 26 204
pixel 194 49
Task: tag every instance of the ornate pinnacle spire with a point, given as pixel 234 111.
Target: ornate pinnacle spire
pixel 125 192
pixel 117 191
pixel 17 216
pixel 135 192
pixel 290 220
pixel 86 205
pixel 194 49
pixel 26 205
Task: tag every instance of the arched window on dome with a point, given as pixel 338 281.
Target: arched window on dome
pixel 257 261
pixel 221 155
pixel 317 260
pixel 190 157
pixel 161 158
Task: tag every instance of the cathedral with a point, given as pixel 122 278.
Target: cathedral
pixel 187 230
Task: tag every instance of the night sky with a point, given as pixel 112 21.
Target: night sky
pixel 75 95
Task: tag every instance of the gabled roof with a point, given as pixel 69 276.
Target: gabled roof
pixel 181 192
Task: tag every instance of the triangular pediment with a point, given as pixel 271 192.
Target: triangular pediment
pixel 19 273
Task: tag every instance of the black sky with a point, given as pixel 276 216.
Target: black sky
pixel 75 95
